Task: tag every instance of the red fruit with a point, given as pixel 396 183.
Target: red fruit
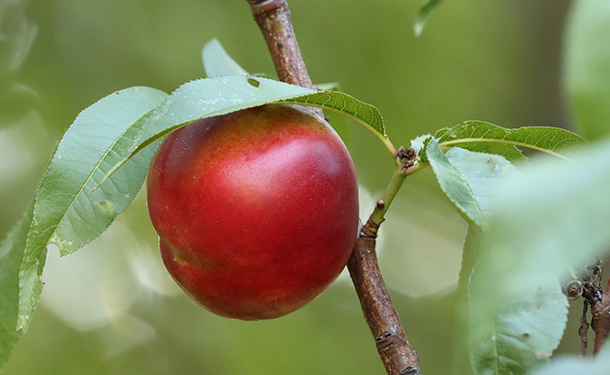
pixel 257 210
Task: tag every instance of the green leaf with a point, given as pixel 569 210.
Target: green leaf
pixel 422 16
pixel 338 122
pixel 419 144
pixel 571 365
pixel 366 114
pixel 217 96
pixel 11 255
pixel 341 126
pixel 523 336
pixel 217 62
pixel 586 61
pixel 67 212
pixel 468 178
pixel 552 218
pixel 485 137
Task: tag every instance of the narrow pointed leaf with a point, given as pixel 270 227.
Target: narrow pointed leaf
pixel 423 15
pixel 67 212
pixel 468 178
pixel 552 218
pixel 347 105
pixel 485 137
pixel 218 63
pixel 11 255
pixel 337 121
pixel 341 126
pixel 217 96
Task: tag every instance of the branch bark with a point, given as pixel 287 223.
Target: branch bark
pixel 273 18
pixel 394 349
pixel 397 355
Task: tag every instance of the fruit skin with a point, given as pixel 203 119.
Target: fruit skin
pixel 257 210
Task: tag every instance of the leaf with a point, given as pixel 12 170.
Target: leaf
pixel 419 144
pixel 217 62
pixel 341 126
pixel 11 255
pixel 552 218
pixel 570 365
pixel 338 122
pixel 523 335
pixel 485 137
pixel 67 212
pixel 329 86
pixel 467 178
pixel 422 16
pixel 217 96
pixel 366 114
pixel 586 61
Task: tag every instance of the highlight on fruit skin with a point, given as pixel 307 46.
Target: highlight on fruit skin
pixel 256 210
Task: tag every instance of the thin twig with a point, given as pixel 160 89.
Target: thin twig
pixel 398 357
pixel 602 326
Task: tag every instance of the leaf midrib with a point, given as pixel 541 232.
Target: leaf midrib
pixel 493 140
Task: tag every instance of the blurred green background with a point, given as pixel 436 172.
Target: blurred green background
pixel 112 309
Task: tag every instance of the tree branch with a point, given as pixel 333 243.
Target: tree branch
pixel 273 18
pixel 398 357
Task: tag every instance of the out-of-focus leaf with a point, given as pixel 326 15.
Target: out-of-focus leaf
pixel 218 63
pixel 422 16
pixel 524 333
pixel 570 365
pixel 552 218
pixel 485 137
pixel 67 212
pixel 586 62
pixel 330 86
pixel 217 96
pixel 11 255
pixel 468 178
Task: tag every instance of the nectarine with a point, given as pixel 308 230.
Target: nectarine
pixel 256 210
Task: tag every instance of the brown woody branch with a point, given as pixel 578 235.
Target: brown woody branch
pixel 398 357
pixel 394 349
pixel 273 18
